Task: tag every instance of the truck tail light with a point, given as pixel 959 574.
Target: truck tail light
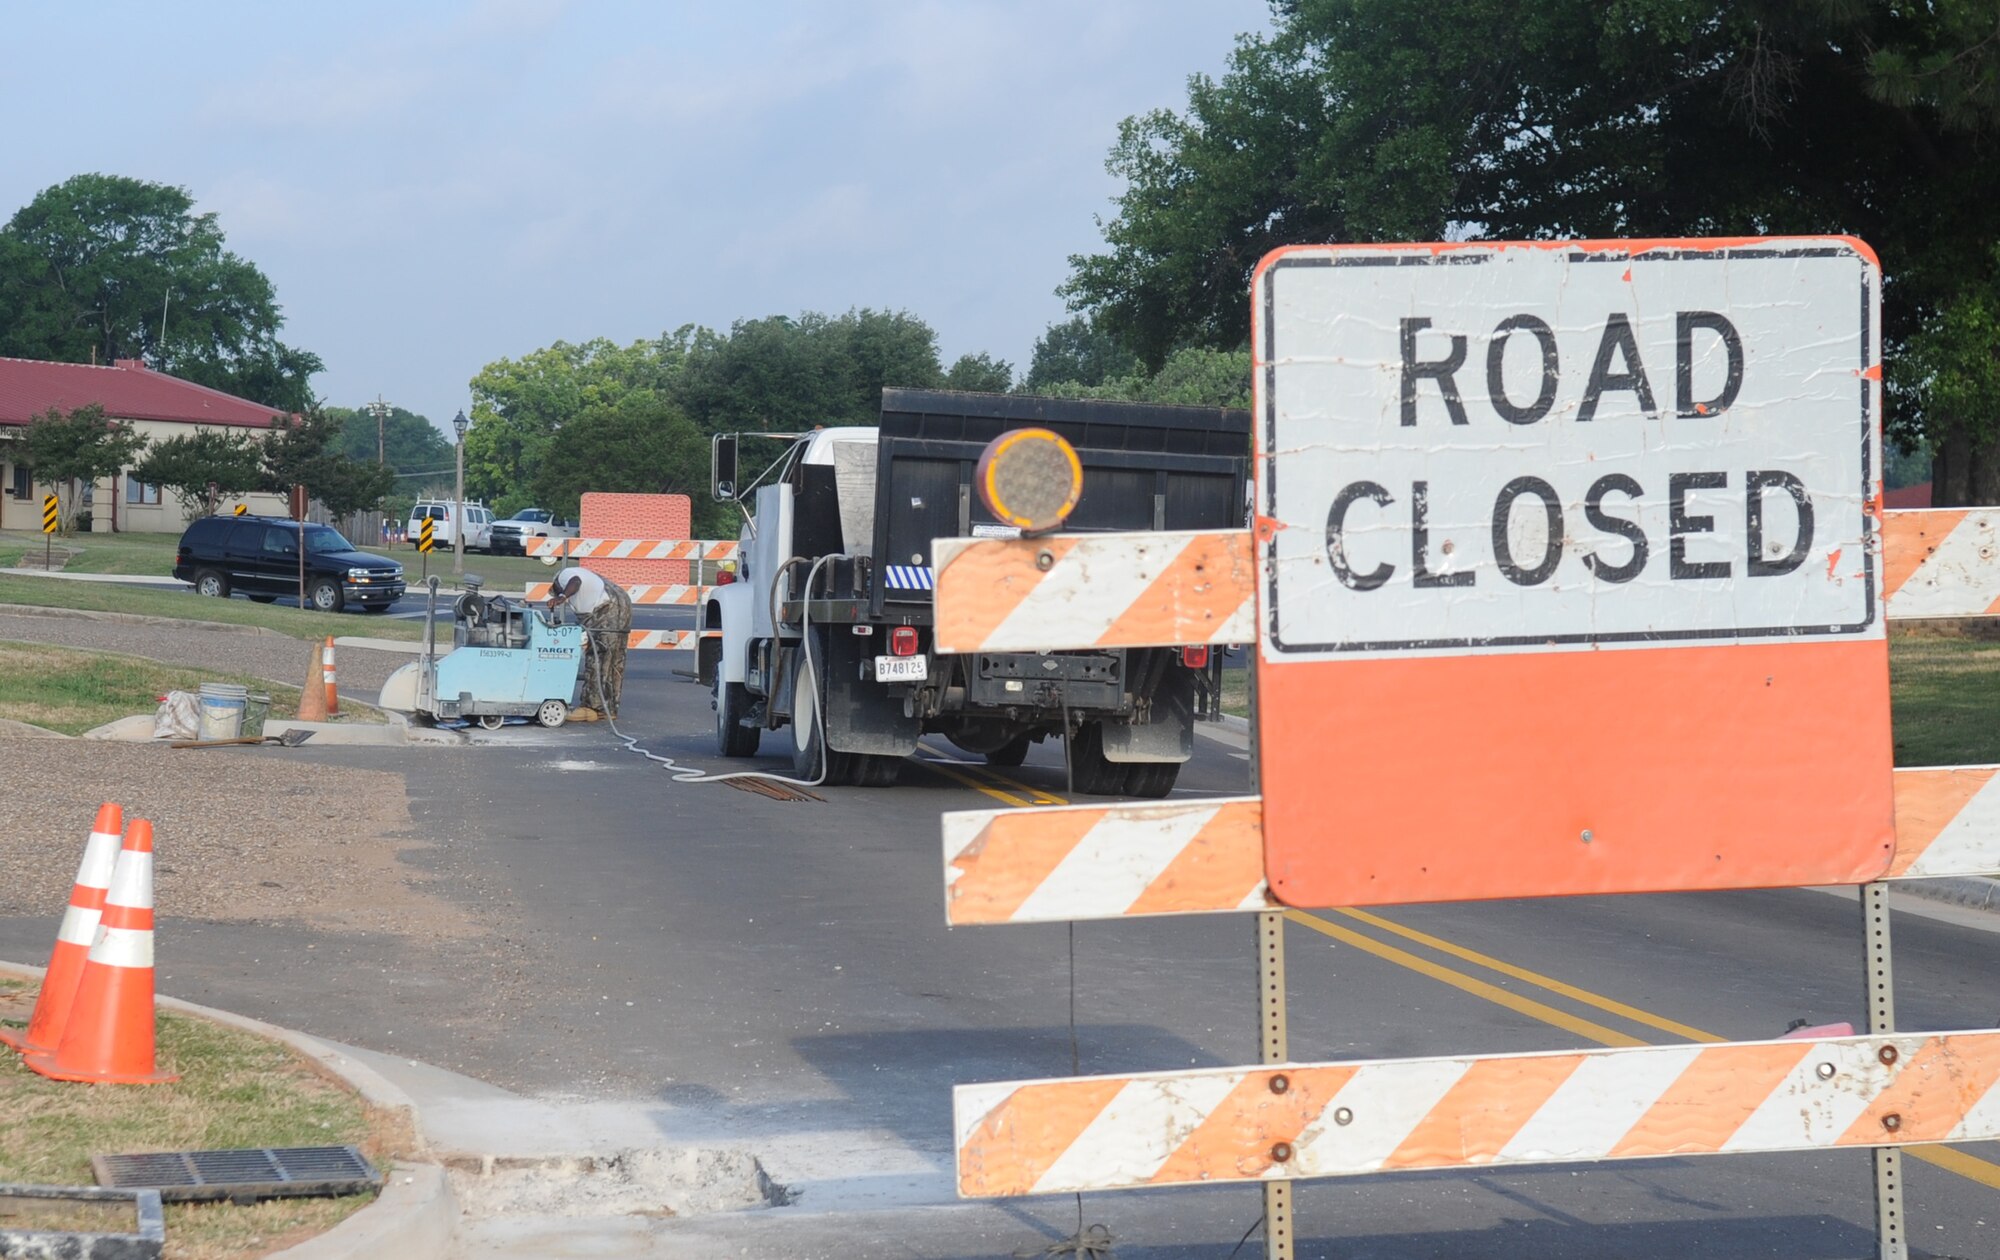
pixel 1195 657
pixel 725 577
pixel 903 641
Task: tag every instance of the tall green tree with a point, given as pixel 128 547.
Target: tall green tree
pixel 641 444
pixel 411 442
pixel 519 404
pixel 73 449
pixel 1079 352
pixel 204 467
pixel 102 267
pixel 303 450
pixel 784 373
pixel 1366 120
pixel 1193 376
pixel 981 372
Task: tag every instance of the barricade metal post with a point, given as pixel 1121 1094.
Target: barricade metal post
pixel 1881 981
pixel 1274 1049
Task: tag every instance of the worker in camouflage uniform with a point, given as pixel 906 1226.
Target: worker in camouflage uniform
pixel 605 612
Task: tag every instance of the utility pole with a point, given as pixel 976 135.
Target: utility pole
pixel 380 410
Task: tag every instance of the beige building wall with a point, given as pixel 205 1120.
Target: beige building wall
pixel 165 516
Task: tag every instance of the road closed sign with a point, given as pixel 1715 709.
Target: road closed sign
pixel 1570 568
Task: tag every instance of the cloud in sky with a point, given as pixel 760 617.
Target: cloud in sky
pixel 434 187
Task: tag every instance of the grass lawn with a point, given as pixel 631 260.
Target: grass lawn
pixel 1944 692
pixel 96 553
pixel 183 604
pixel 235 1090
pixel 60 689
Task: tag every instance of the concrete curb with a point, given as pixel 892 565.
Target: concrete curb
pixel 126 579
pixel 142 619
pixel 416 1213
pixel 1970 892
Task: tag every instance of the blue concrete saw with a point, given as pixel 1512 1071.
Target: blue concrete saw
pixel 508 659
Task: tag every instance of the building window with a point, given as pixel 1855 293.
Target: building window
pixel 137 491
pixel 24 481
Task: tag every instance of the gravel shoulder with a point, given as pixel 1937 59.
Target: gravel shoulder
pixel 242 835
pixel 270 657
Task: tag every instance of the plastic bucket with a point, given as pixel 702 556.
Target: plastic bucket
pixel 222 706
pixel 255 710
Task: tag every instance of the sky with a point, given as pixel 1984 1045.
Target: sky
pixel 435 186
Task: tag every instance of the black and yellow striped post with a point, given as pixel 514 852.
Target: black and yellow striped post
pixel 241 508
pixel 51 517
pixel 424 541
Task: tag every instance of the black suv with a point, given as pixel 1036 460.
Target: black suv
pixel 259 556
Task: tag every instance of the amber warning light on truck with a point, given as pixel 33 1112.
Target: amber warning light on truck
pixel 1545 450
pixel 1029 479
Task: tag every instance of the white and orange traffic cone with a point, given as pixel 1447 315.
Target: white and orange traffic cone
pixel 312 698
pixel 110 1038
pixel 326 671
pixel 74 939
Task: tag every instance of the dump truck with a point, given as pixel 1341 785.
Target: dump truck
pixel 825 627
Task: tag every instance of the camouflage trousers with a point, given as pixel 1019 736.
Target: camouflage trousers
pixel 609 626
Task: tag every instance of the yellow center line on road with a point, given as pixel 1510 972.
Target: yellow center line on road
pixel 1949 1158
pixel 1570 991
pixel 984 779
pixel 1469 984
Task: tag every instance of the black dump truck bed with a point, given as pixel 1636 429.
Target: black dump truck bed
pixel 1146 466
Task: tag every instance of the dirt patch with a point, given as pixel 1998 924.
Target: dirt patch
pixel 253 836
pixel 658 1182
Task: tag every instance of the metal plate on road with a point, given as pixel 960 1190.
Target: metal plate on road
pixel 1570 569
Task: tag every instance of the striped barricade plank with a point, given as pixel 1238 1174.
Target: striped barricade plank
pixel 639 594
pixel 661 640
pixel 630 549
pixel 1098 861
pixel 1941 562
pixel 1947 822
pixel 1075 591
pixel 1069 591
pixel 1207 857
pixel 1296 1121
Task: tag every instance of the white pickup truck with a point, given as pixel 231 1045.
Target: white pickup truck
pixel 510 536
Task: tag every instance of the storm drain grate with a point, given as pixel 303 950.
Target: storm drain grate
pixel 243 1175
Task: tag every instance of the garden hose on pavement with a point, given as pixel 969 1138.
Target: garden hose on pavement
pixel 689 774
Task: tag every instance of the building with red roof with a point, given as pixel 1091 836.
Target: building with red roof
pixel 154 403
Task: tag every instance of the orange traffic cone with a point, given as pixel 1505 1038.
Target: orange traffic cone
pixel 312 700
pixel 75 937
pixel 326 668
pixel 109 1037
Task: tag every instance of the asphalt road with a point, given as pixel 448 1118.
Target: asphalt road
pixel 753 967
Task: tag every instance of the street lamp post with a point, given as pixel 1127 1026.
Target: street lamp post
pixel 458 425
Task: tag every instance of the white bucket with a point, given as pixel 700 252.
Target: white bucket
pixel 222 710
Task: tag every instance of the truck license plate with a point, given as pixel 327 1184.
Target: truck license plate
pixel 901 668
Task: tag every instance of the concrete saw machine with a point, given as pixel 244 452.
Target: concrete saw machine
pixel 508 659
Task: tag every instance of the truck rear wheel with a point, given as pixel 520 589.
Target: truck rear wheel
pixel 1089 771
pixel 809 741
pixel 1011 753
pixel 872 770
pixel 1151 779
pixel 732 738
